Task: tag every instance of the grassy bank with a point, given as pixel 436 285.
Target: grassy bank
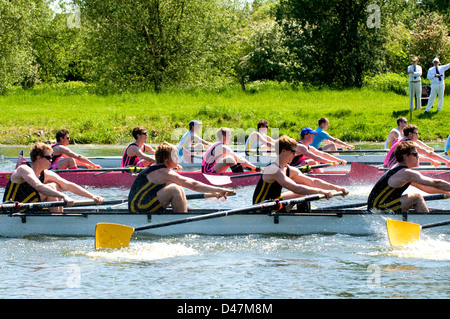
pixel 355 114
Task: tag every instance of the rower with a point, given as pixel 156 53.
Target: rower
pixel 447 146
pixel 411 133
pixel 219 157
pixel 63 157
pixel 136 153
pixel 33 182
pixel 259 140
pixel 306 155
pixel 158 186
pixel 332 143
pixel 387 194
pixel 190 142
pixel 396 133
pixel 279 174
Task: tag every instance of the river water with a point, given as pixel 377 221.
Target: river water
pixel 228 267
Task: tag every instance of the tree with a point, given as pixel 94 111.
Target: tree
pixel 333 42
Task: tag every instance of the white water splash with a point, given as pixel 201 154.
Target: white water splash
pixel 426 248
pixel 143 251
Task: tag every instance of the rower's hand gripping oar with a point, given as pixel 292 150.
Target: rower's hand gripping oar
pixel 109 235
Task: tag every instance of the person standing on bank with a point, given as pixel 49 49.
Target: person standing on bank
pixel 436 77
pixel 415 84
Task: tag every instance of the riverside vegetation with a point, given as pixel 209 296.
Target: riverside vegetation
pixel 356 115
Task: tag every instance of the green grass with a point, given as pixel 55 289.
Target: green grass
pixel 356 115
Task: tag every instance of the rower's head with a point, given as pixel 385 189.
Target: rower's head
pixel 62 136
pixel 166 153
pixel 402 122
pixel 406 153
pixel 307 135
pixel 411 131
pixel 139 132
pixel 41 153
pixel 194 126
pixel 286 146
pixel 262 126
pixel 324 124
pixel 224 135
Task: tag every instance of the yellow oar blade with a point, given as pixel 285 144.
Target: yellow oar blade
pixel 108 235
pixel 402 233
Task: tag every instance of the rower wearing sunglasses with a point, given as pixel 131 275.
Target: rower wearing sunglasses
pixel 388 192
pixel 426 153
pixel 33 182
pixel 280 174
pixel 136 154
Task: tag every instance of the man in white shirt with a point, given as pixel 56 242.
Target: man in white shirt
pixel 415 84
pixel 436 77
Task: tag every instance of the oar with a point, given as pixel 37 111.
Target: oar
pixel 401 233
pixel 39 205
pixel 108 235
pixel 131 169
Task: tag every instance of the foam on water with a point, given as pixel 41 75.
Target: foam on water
pixel 425 248
pixel 145 251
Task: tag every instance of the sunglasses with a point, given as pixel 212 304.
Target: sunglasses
pixel 48 157
pixel 415 154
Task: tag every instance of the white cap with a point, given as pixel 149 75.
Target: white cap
pixel 436 60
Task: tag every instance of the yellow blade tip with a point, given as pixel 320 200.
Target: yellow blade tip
pixel 109 235
pixel 402 233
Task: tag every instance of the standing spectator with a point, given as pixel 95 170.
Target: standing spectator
pixel 436 77
pixel 415 84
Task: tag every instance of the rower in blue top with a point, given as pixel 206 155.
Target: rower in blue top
pixel 190 142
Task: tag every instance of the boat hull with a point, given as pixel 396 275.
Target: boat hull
pixel 359 174
pixel 83 223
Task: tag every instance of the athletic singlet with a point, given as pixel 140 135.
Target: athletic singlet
pixel 389 145
pixel 385 197
pixel 210 159
pixel 268 191
pixel 390 159
pixel 299 159
pixel 143 194
pixel 22 193
pixel 55 158
pixel 130 160
pixel 252 149
pixel 185 142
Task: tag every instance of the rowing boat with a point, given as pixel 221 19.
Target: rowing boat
pixel 82 222
pixel 359 174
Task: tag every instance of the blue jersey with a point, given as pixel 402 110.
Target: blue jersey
pixel 319 137
pixel 447 146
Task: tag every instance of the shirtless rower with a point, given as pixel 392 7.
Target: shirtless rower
pixel 307 155
pixel 331 143
pixel 190 142
pixel 396 133
pixel 387 194
pixel 136 153
pixel 258 140
pixel 33 182
pixel 219 157
pixel 411 133
pixel 280 174
pixel 158 186
pixel 63 157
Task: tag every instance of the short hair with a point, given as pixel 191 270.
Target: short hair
pixel 164 151
pixel 401 119
pixel 409 129
pixel 262 123
pixel 221 132
pixel 38 149
pixel 137 130
pixel 403 148
pixel 322 120
pixel 285 143
pixel 61 133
